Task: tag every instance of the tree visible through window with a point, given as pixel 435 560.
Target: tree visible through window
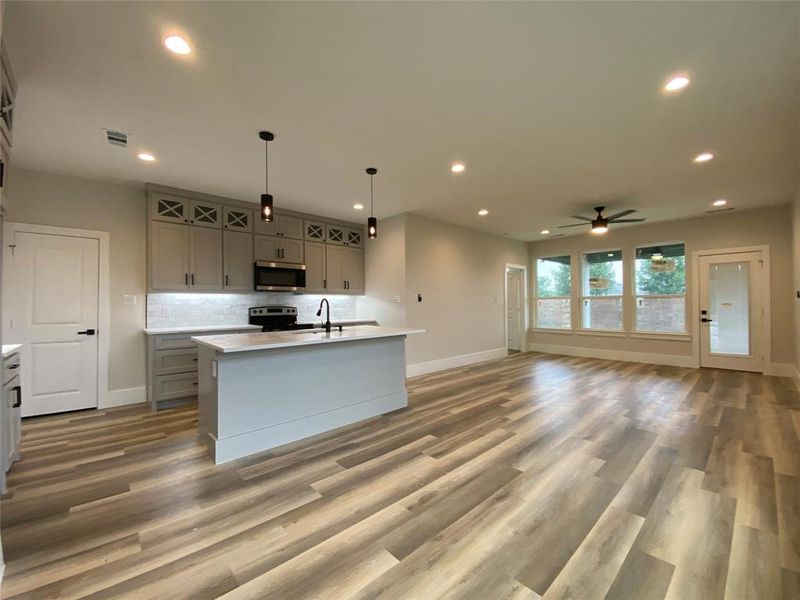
pixel 553 291
pixel 601 290
pixel 661 288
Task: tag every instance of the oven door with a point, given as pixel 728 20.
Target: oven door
pixel 279 277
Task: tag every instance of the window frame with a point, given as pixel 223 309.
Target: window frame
pixel 582 297
pixel 635 331
pixel 570 297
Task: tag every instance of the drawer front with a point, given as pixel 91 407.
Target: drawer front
pixel 173 387
pixel 174 341
pixel 169 362
pixel 11 368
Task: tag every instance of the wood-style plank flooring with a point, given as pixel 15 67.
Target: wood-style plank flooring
pixel 533 476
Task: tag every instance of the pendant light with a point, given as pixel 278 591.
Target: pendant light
pixel 267 211
pixel 372 222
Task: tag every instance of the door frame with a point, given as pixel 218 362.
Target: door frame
pixel 103 297
pixel 525 305
pixel 766 305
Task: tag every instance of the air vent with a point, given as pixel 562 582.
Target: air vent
pixel 117 138
pixel 714 211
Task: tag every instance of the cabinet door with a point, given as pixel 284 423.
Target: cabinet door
pixel 355 238
pixel 169 257
pixel 169 208
pixel 205 214
pixel 205 259
pixel 265 228
pixel 238 261
pixel 265 248
pixel 315 267
pixel 334 269
pixel 291 251
pixel 354 270
pixel 238 219
pixel 336 235
pixel 290 227
pixel 314 231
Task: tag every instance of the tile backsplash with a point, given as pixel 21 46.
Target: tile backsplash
pixel 188 310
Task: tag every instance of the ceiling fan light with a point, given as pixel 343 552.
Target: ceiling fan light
pixel 599 229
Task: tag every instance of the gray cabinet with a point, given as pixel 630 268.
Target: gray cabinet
pixel 205 214
pixel 314 231
pixel 172 367
pixel 344 269
pixel 334 269
pixel 237 248
pixel 169 257
pixel 10 414
pixel 184 258
pixel 166 207
pixel 237 219
pixel 354 270
pixel 315 267
pixel 205 259
pixel 283 226
pixel 345 236
pixel 275 249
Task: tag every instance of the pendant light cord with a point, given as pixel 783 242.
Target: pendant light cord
pixel 371 199
pixel 266 166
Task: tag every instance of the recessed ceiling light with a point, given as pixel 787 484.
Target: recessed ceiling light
pixel 177 44
pixel 720 202
pixel 358 206
pixel 704 157
pixel 483 212
pixel 678 82
pixel 545 231
pixel 457 167
pixel 146 156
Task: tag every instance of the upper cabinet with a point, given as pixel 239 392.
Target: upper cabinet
pixel 238 219
pixel 8 91
pixel 288 226
pixel 345 236
pixel 205 214
pixel 198 243
pixel 164 207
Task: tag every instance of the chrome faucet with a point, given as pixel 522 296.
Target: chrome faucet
pixel 327 314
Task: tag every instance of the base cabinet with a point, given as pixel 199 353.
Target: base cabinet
pixel 172 367
pixel 10 415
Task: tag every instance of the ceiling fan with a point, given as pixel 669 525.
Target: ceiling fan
pixel 600 223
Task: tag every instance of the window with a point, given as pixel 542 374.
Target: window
pixel 601 290
pixel 661 288
pixel 553 291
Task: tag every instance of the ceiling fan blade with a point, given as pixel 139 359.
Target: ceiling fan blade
pixel 627 220
pixel 582 218
pixel 572 225
pixel 622 213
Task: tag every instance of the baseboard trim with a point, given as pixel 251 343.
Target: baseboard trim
pixel 451 362
pixel 672 360
pixel 796 378
pixel 780 370
pixel 123 397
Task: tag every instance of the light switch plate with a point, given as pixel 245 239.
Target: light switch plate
pixel 129 300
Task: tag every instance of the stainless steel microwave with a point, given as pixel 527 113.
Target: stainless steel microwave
pixel 279 277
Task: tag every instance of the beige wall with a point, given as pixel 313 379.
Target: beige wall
pixel 385 275
pixel 769 226
pixel 47 199
pixel 460 273
pixel 796 276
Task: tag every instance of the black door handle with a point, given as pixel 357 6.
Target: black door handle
pixel 87 332
pixel 18 390
pixel 704 320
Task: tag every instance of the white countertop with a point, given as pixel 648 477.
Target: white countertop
pixel 9 349
pixel 245 342
pixel 162 330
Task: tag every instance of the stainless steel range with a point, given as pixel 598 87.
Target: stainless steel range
pixel 276 317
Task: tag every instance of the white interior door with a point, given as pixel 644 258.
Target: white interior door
pixel 51 299
pixel 514 308
pixel 731 311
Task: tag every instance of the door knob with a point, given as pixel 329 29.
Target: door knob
pixel 87 332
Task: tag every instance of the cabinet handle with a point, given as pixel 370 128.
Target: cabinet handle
pixel 226 280
pixel 192 278
pixel 186 279
pixel 17 389
pixel 325 283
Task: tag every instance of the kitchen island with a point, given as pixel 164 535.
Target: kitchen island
pixel 257 391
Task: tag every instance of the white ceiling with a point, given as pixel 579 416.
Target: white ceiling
pixel 552 106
